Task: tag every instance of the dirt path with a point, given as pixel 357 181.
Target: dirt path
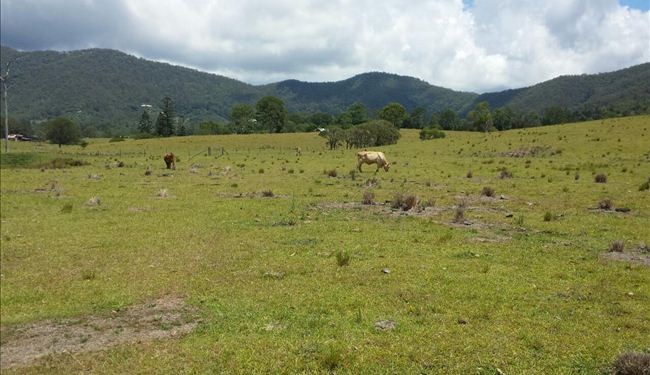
pixel 166 317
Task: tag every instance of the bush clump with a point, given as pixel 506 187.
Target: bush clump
pixel 372 133
pixel 431 133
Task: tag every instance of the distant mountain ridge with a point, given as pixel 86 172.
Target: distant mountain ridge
pixel 107 87
pixel 627 88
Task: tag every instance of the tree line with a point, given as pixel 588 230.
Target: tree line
pixel 269 115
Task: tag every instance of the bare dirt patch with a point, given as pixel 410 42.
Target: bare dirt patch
pixel 162 318
pixel 632 257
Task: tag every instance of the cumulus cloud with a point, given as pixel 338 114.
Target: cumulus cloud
pixel 489 45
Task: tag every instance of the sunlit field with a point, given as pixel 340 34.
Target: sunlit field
pixel 502 265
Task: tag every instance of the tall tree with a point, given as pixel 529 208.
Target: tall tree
pixel 355 114
pixel 417 119
pixel 449 120
pixel 165 121
pixel 321 119
pixel 394 113
pixel 481 117
pixel 242 117
pixel 62 131
pixel 145 125
pixel 271 114
pixel 503 118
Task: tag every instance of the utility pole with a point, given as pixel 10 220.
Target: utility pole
pixel 3 79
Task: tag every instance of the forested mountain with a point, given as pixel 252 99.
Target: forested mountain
pixel 373 90
pixel 105 89
pixel 625 91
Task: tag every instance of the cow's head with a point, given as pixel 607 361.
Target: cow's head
pixel 386 166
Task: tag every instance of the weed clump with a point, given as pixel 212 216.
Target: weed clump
pixel 600 178
pixel 487 191
pixel 371 182
pixel 67 208
pixel 331 173
pixel 268 193
pixel 606 204
pixel 368 198
pixel 60 163
pixel 645 186
pixel 404 202
pixel 94 201
pixel 504 173
pixel 632 363
pixel 469 174
pixel 332 358
pixel 459 211
pixel 342 258
pixel 616 246
pixel 260 171
pixel 548 216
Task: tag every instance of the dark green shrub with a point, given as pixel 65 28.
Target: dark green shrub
pixel 431 133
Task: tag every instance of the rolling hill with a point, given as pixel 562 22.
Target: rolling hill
pixel 622 91
pixel 106 88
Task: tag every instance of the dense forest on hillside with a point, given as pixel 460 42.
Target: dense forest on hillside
pixel 624 92
pixel 107 91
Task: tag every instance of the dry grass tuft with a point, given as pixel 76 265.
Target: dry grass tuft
pixel 504 173
pixel 331 173
pixel 163 193
pixel 404 202
pixel 268 193
pixel 368 198
pixel 606 204
pixel 617 246
pixel 94 201
pixel 487 191
pixel 459 211
pixel 632 363
pixel 600 178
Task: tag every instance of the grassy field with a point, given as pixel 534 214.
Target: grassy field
pixel 518 286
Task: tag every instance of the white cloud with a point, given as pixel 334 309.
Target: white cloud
pixel 491 45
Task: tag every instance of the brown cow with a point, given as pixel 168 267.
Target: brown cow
pixel 170 160
pixel 372 157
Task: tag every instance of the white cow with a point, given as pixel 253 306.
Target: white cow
pixel 372 157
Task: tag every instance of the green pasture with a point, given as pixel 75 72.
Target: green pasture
pixel 517 294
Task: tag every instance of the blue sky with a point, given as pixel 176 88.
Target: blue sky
pixel 487 45
pixel 637 4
